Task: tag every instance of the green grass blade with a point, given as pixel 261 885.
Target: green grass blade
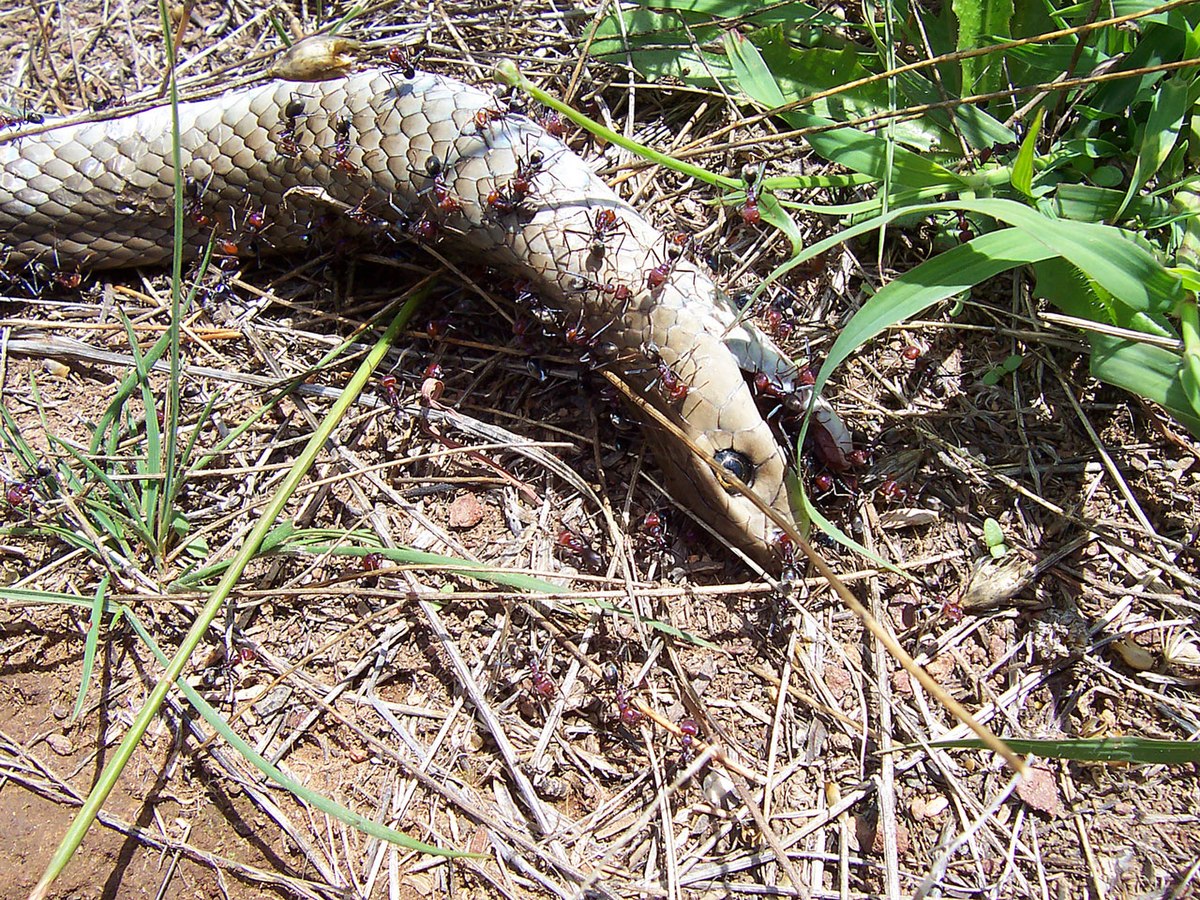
pixel 89 645
pixel 1022 170
pixel 149 467
pixel 946 275
pixel 121 756
pixel 1143 751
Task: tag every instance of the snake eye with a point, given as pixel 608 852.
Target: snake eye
pixel 736 464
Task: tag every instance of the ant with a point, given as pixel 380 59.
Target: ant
pixel 400 58
pixel 21 494
pixel 582 548
pixel 424 229
pixel 551 122
pixel 503 201
pixel 255 221
pixel 286 143
pixel 68 281
pixel 654 527
pixel 447 203
pixel 541 683
pixel 671 385
pixel 752 176
pixel 657 276
pixel 630 715
pixel 521 184
pixel 193 208
pixel 391 392
pixel 341 145
pixel 603 224
pixel 689 730
pixel 372 562
pixel 488 115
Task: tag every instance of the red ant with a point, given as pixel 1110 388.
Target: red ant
pixel 488 115
pixel 286 143
pixel 630 715
pixel 893 490
pixel 193 208
pixel 400 58
pixel 657 276
pixel 671 385
pixel 604 224
pixel 964 228
pixel 255 221
pixel 447 203
pixel 541 683
pixel 689 730
pixel 654 526
pixel 390 386
pixel 68 281
pixel 552 122
pixel 578 545
pixel 952 610
pixel 503 201
pixel 342 144
pixel 372 562
pixel 527 169
pixel 424 229
pixel 752 176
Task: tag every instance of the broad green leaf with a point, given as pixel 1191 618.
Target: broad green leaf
pixel 1159 135
pixel 661 39
pixel 981 22
pixel 1149 371
pixel 1124 269
pixel 845 146
pixel 1087 203
pixel 800 73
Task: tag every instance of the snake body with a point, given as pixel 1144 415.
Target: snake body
pixel 383 149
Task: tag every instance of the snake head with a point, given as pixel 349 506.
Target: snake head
pixel 715 419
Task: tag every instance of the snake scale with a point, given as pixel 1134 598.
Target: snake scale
pixel 393 149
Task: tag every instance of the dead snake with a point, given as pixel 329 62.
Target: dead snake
pixel 389 148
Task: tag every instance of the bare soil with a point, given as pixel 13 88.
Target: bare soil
pixel 548 733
